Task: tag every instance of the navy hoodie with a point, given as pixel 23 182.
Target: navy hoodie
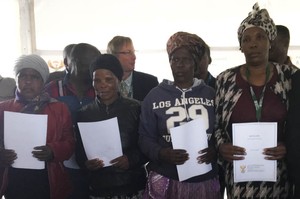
pixel 168 106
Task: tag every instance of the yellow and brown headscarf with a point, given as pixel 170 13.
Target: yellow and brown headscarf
pixel 258 18
pixel 194 44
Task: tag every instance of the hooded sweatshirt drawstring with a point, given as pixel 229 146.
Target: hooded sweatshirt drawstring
pixel 184 101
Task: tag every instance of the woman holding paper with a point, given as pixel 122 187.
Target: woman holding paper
pixel 172 104
pixel 52 181
pixel 126 177
pixel 253 92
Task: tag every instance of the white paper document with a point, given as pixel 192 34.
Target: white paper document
pixel 254 137
pixel 101 140
pixel 192 137
pixel 23 132
pixel 71 162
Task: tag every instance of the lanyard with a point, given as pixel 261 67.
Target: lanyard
pixel 258 104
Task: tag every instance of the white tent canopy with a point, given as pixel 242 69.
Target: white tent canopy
pixel 46 27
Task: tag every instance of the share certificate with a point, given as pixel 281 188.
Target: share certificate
pixel 192 137
pixel 101 140
pixel 254 137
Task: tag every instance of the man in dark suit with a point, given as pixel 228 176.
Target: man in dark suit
pixel 134 84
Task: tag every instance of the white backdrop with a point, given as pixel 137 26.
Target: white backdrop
pixel 148 22
pixel 9 37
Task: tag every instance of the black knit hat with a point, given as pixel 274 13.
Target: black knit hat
pixel 108 62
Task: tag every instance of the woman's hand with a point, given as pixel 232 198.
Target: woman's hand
pixel 7 157
pixel 230 152
pixel 275 153
pixel 43 153
pixel 208 155
pixel 120 162
pixel 173 156
pixel 94 164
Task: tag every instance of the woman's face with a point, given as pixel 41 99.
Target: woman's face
pixel 106 85
pixel 182 66
pixel 29 83
pixel 255 45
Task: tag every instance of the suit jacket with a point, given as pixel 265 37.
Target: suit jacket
pixel 142 83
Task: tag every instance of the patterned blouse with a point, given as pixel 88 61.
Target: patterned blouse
pixel 227 95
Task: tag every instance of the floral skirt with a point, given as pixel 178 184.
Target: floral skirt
pixel 160 187
pixel 133 196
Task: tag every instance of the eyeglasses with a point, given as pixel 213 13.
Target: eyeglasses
pixel 128 52
pixel 184 60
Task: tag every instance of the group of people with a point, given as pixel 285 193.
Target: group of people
pixel 96 87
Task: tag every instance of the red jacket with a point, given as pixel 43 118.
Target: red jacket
pixel 60 138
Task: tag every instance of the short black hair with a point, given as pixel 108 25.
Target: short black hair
pixel 207 50
pixel 67 50
pixel 283 34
